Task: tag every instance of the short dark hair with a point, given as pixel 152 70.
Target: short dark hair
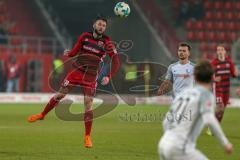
pixel 203 71
pixel 101 17
pixel 185 44
pixel 222 45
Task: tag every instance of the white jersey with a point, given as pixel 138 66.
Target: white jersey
pixel 189 113
pixel 181 75
pixel 184 123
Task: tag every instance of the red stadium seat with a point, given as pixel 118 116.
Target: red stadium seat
pixel 203 46
pixel 16 41
pixel 231 26
pixel 209 15
pixel 211 55
pixel 13 29
pixel 31 50
pixel 237 26
pixel 221 37
pixel 229 16
pixel 199 25
pixel 213 47
pixel 220 25
pixel 204 55
pixel 207 55
pixel 211 36
pixel 228 6
pixel 208 5
pixel 209 25
pixel 237 6
pixel 3 8
pixel 189 25
pixel 190 36
pixel 3 49
pixel 200 36
pixel 218 5
pixel 16 50
pixel 219 15
pixel 237 16
pixel 233 36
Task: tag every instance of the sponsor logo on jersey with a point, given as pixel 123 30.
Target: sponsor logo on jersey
pixel 182 75
pixel 100 43
pixel 90 49
pixel 223 72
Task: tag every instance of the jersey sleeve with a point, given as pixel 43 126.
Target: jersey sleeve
pixel 207 103
pixel 112 52
pixel 213 63
pixel 169 75
pixel 77 46
pixel 210 120
pixel 232 69
pixel 110 47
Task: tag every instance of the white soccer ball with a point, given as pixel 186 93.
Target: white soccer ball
pixel 122 9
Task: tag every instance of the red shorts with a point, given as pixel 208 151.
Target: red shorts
pixel 222 98
pixel 87 82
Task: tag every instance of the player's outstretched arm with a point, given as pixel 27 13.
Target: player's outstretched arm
pixel 210 120
pixel 165 87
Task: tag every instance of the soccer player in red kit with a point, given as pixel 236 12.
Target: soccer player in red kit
pixel 224 70
pixel 90 48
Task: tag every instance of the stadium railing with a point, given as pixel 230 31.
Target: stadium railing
pixel 26 44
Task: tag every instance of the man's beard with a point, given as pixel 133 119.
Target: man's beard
pixel 96 31
pixel 182 57
pixel 221 57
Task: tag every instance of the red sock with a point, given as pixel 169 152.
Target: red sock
pixel 88 117
pixel 219 116
pixel 51 104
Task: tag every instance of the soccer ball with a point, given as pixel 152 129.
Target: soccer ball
pixel 122 9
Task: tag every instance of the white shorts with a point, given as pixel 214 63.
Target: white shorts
pixel 168 151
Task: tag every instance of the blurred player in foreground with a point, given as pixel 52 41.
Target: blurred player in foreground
pixel 90 48
pixel 179 74
pixel 223 71
pixel 190 111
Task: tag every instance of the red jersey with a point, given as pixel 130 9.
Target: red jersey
pixel 225 70
pixel 91 52
pixel 13 70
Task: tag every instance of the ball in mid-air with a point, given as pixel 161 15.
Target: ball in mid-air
pixel 122 9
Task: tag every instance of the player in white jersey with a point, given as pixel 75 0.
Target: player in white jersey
pixel 189 113
pixel 180 74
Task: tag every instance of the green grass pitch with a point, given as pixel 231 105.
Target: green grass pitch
pixel 114 136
